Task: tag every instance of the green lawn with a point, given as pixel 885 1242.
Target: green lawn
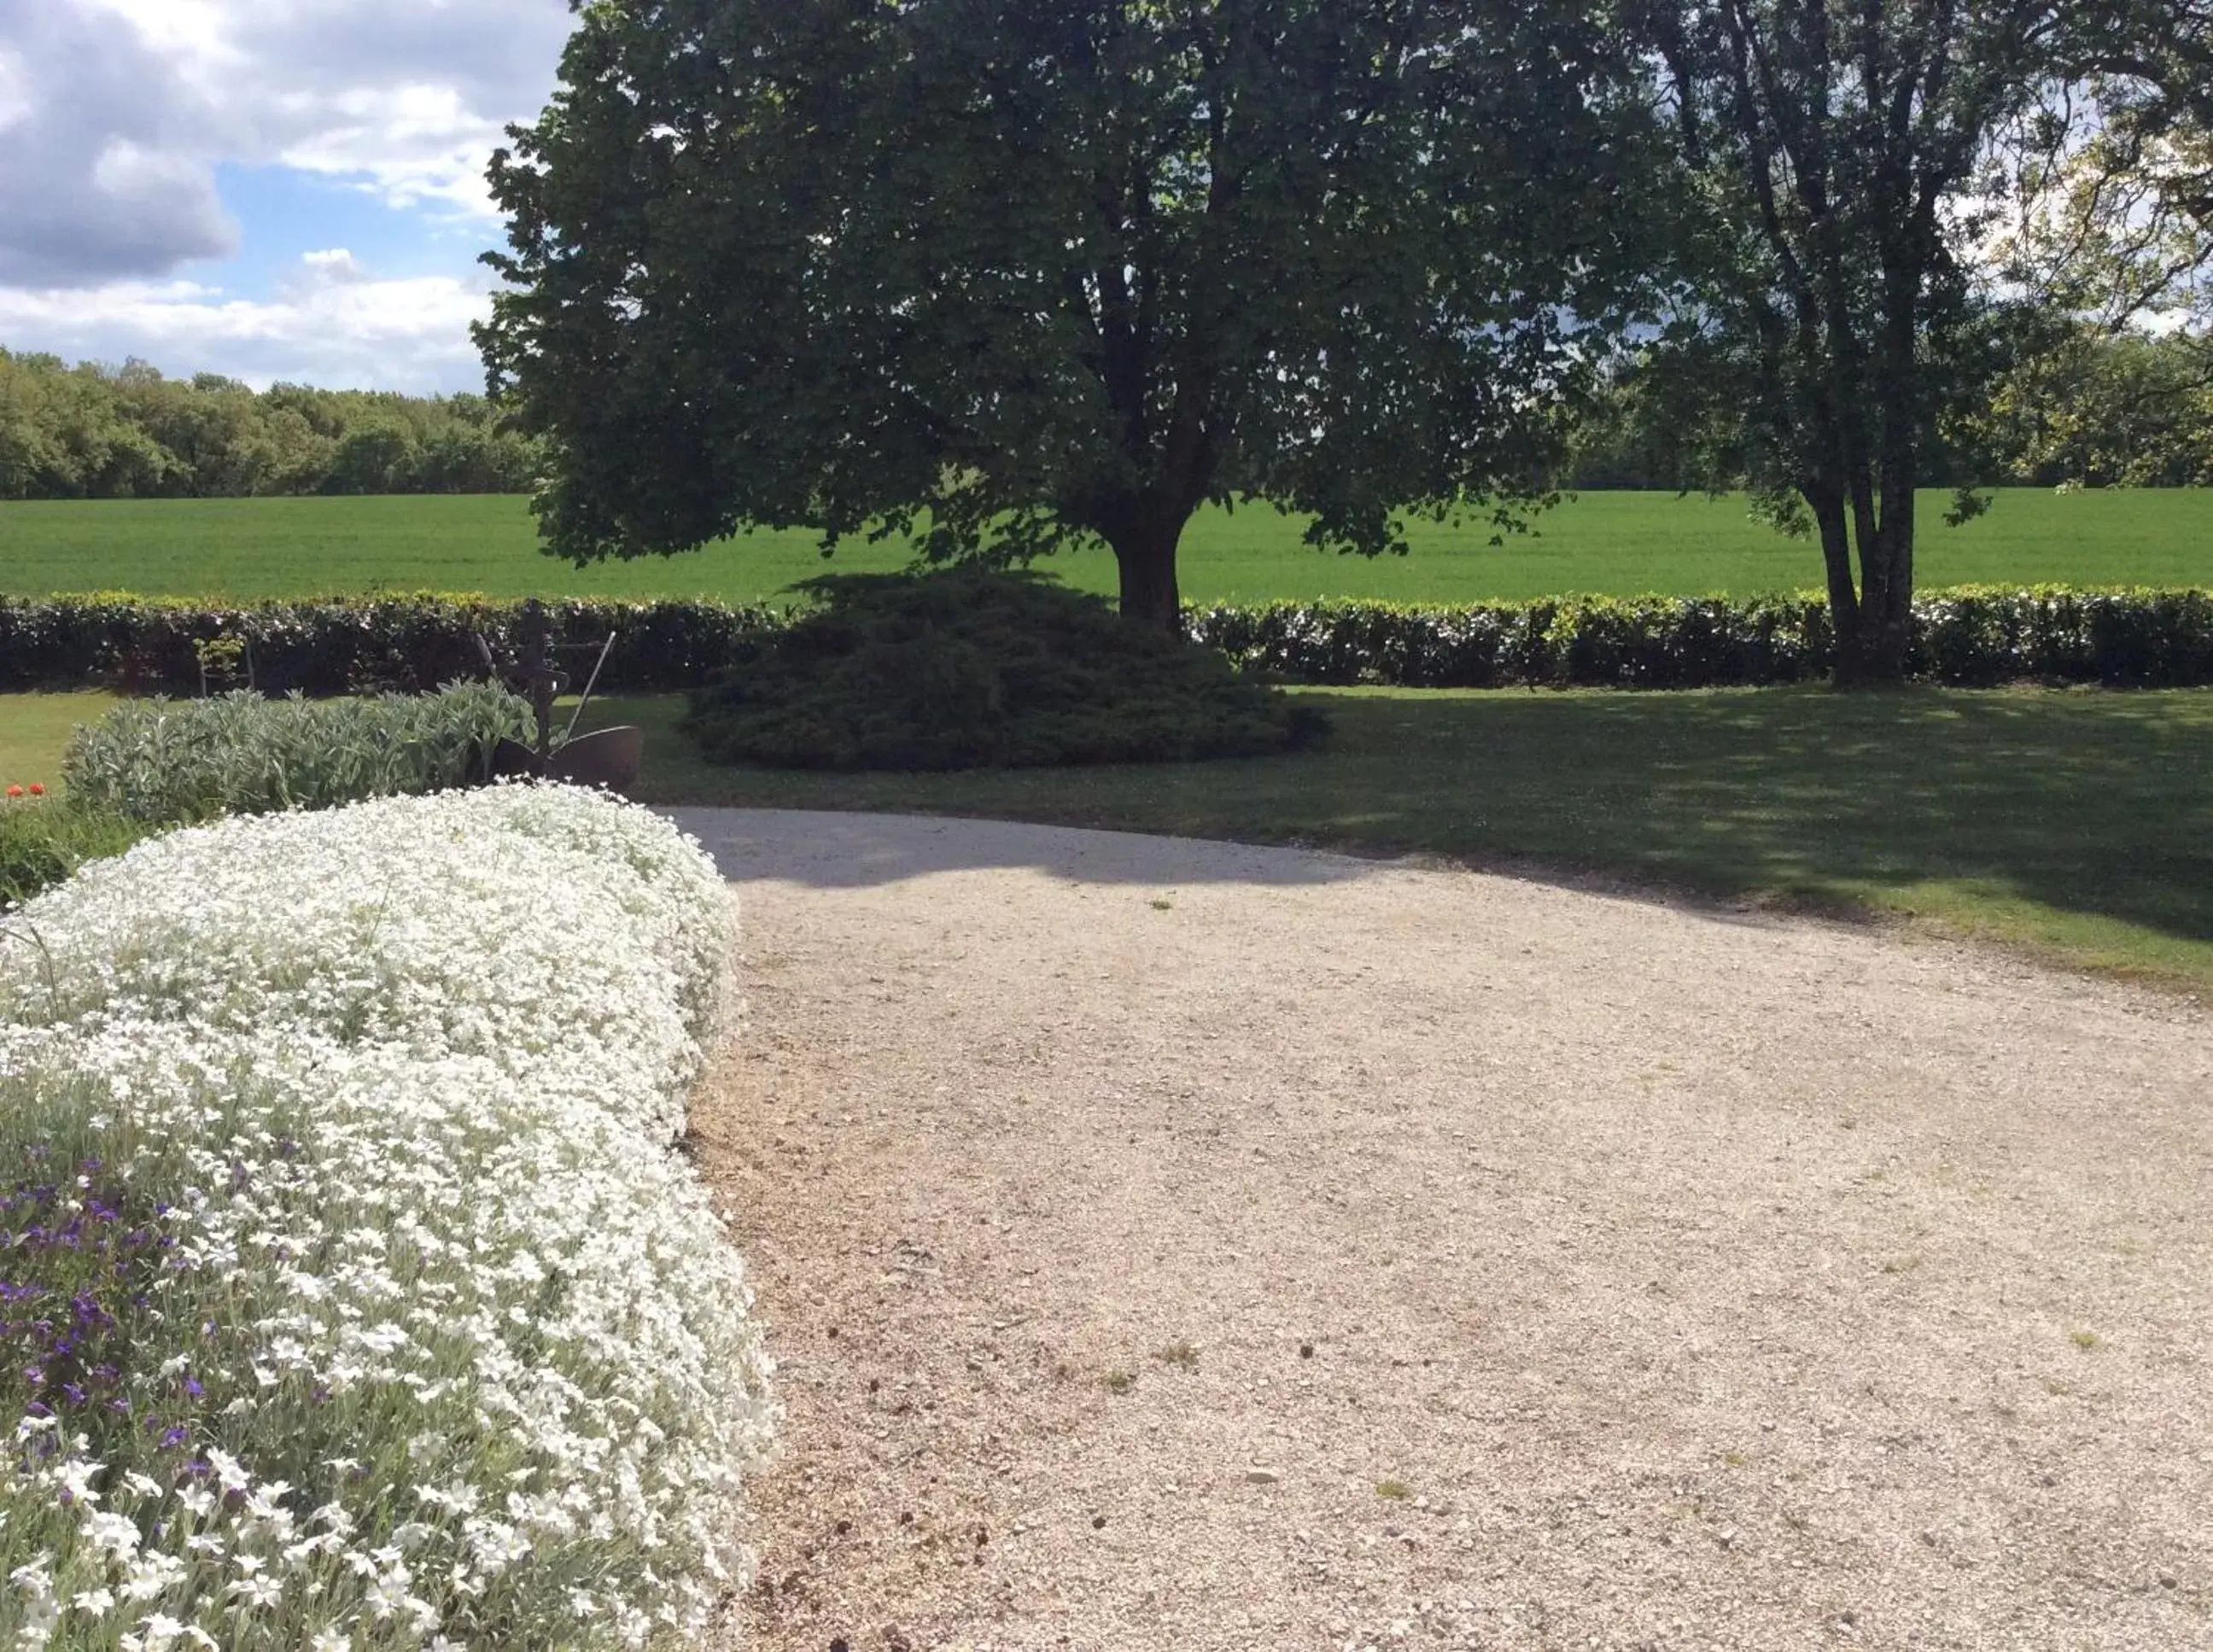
pixel 33 729
pixel 2077 824
pixel 1616 543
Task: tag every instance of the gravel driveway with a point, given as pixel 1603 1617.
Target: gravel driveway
pixel 1185 1245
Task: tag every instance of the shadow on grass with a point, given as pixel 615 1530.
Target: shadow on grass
pixel 2017 811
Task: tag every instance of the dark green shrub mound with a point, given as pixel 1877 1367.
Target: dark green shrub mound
pixel 968 669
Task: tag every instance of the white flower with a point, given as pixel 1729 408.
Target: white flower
pixel 227 1470
pixel 152 1575
pixel 255 1593
pixel 113 1535
pixel 36 1626
pixel 155 1634
pixel 386 1595
pixel 405 1076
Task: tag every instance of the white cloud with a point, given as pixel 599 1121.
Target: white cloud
pixel 412 144
pixel 119 111
pixel 104 174
pixel 332 323
pixel 407 97
pixel 116 114
pixel 15 103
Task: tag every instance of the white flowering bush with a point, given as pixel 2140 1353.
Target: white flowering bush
pixel 352 1292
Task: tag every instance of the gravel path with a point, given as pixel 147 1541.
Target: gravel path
pixel 1186 1246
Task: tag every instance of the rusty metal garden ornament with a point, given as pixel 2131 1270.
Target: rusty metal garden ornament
pixel 606 756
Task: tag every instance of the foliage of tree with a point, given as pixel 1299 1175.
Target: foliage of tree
pixel 92 432
pixel 2113 229
pixel 1852 159
pixel 1020 276
pixel 2073 403
pixel 2097 408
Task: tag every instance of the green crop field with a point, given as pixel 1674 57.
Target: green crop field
pixel 1618 543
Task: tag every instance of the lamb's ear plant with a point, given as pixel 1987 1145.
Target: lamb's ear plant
pixel 170 761
pixel 351 1294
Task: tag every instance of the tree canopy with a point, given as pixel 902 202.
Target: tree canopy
pixel 1012 276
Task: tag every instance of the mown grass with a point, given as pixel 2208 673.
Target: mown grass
pixel 33 730
pixel 2077 824
pixel 44 838
pixel 1615 544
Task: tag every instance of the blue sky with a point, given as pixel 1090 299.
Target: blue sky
pixel 272 189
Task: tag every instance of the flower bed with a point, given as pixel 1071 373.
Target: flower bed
pixel 354 1295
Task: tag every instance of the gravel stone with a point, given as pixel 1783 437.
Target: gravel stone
pixel 1622 1224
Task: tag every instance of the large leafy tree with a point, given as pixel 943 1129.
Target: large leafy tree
pixel 1013 274
pixel 1851 161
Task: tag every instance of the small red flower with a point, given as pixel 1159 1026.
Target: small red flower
pixel 37 791
pixel 14 791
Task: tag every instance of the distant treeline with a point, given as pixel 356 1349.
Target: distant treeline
pixel 2133 409
pixel 95 432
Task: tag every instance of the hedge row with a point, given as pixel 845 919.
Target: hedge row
pixel 387 644
pixel 1969 636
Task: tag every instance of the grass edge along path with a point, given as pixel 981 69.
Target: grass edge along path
pixel 2074 825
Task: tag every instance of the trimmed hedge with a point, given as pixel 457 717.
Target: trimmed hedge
pixel 408 644
pixel 1972 635
pixel 1979 635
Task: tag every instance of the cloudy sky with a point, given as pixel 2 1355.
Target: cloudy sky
pixel 272 189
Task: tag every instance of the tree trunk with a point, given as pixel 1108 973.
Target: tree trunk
pixel 1146 558
pixel 1826 501
pixel 1888 624
pixel 1873 615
